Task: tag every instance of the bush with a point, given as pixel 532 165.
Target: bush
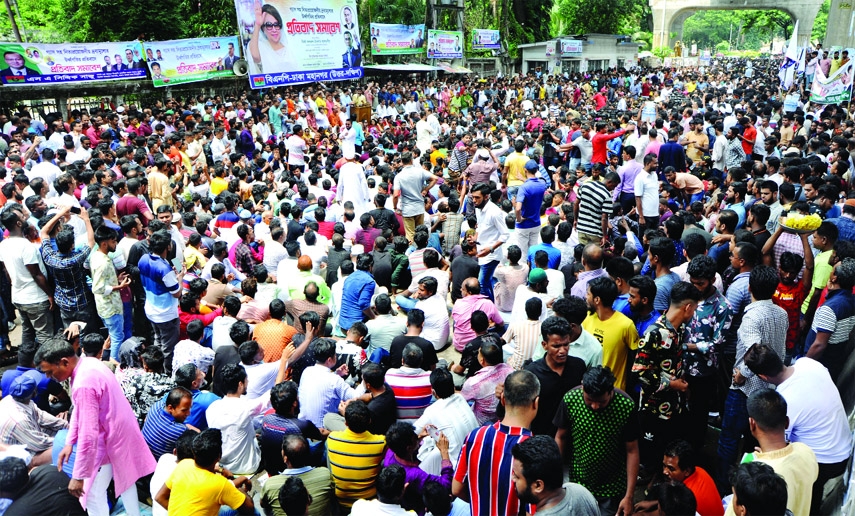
pixel 722 47
pixel 663 52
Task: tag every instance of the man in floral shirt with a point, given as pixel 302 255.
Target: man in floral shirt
pixel 658 368
pixel 705 337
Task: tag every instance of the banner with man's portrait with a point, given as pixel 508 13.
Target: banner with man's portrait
pixel 485 39
pixel 388 38
pixel 191 60
pixel 37 63
pixel 292 41
pixel 445 44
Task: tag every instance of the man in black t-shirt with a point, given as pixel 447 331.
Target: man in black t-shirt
pixel 44 491
pixel 415 322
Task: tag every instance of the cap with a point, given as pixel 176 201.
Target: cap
pixel 23 386
pixel 850 202
pixel 169 112
pixel 531 165
pixel 120 109
pixel 245 214
pixel 482 153
pixel 218 207
pixel 349 154
pixel 536 276
pixel 176 217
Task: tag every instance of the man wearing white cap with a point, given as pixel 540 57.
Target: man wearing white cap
pixel 352 185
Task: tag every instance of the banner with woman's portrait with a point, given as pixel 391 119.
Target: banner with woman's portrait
pixel 38 63
pixel 191 60
pixel 298 41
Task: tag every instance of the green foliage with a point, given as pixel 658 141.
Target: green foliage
pixel 662 52
pixel 597 16
pixel 722 47
pixel 644 37
pixel 820 24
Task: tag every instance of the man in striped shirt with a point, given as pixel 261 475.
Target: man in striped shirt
pixel 593 209
pixel 484 471
pixel 411 385
pixel 164 423
pixel 354 456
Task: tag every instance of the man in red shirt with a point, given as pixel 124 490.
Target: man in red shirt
pixel 749 134
pixel 132 204
pixel 600 141
pixel 791 291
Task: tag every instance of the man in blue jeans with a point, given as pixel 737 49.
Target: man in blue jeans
pixel 492 233
pixel 106 286
pixel 527 207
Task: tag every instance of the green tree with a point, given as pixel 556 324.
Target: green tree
pixel 592 16
pixel 820 24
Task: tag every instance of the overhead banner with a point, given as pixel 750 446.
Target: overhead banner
pixel 571 47
pixel 445 44
pixel 388 39
pixel 485 39
pixel 293 41
pixel 834 89
pixel 37 63
pixel 550 48
pixel 191 60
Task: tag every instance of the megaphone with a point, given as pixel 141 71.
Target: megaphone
pixel 241 67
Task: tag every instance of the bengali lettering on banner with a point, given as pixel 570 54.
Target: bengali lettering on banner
pixel 191 60
pixel 299 41
pixel 485 39
pixel 571 47
pixel 834 89
pixel 37 63
pixel 445 44
pixel 387 39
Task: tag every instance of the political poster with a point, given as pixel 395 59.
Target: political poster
pixel 445 44
pixel 293 41
pixel 190 60
pixel 550 48
pixel 834 89
pixel 571 47
pixel 389 39
pixel 37 63
pixel 485 39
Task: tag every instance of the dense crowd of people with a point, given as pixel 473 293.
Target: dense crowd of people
pixel 493 296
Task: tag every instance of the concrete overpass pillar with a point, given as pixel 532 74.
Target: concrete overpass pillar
pixel 663 21
pixel 806 14
pixel 840 31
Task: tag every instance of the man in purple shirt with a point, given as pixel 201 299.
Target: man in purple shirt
pixel 625 191
pixel 592 261
pixel 471 301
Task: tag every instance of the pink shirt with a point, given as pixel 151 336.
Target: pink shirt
pixel 462 315
pixel 104 428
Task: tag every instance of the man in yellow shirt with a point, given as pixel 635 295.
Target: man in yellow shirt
pixel 354 455
pixel 219 182
pixel 514 173
pixel 158 185
pixel 198 486
pixel 615 331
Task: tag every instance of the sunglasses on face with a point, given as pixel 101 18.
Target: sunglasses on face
pixel 270 25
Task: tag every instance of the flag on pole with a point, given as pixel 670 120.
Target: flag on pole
pixel 787 72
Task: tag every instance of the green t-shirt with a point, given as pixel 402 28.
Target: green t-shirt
pixel 318 482
pixel 597 441
pixel 821 274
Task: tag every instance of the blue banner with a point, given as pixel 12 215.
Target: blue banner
pixel 485 39
pixel 37 63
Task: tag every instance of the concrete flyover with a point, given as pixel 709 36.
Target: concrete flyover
pixel 669 16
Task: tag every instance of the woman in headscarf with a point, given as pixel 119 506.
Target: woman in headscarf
pixel 266 47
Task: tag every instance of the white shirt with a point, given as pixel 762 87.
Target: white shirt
pixel 296 148
pixel 425 134
pixel 16 253
pixel 218 150
pixel 165 466
pixel 320 392
pixel 646 187
pixel 220 331
pixel 555 288
pixel 816 413
pixel 274 253
pixel 352 186
pixel 233 416
pixel 491 229
pixel 454 418
pixel 522 295
pixel 260 378
pixel 377 508
pixel 436 327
